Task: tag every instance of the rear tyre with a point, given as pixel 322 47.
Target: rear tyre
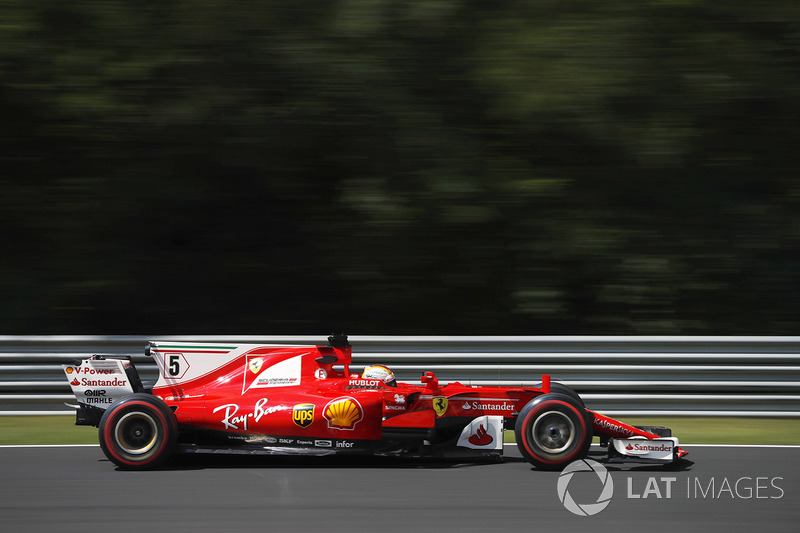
pixel 138 432
pixel 553 430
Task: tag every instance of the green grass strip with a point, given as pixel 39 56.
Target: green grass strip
pixel 45 430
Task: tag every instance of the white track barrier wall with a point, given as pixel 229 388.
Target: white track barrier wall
pixel 618 376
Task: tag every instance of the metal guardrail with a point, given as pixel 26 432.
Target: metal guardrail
pixel 618 376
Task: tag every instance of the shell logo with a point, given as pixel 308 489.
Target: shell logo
pixel 343 413
pixel 70 370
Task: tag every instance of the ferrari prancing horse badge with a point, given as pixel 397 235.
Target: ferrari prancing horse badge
pixel 440 405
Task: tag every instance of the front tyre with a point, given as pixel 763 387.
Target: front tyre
pixel 553 430
pixel 138 432
pixel 560 388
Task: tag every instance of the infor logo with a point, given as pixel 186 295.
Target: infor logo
pixel 585 509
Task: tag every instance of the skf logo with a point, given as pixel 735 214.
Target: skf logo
pixel 440 405
pixel 303 414
pixel 343 413
pixel 255 365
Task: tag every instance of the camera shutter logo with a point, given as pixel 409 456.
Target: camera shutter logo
pixel 587 509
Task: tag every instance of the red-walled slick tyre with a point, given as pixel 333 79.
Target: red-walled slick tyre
pixel 138 432
pixel 552 431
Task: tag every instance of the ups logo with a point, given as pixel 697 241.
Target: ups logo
pixel 303 414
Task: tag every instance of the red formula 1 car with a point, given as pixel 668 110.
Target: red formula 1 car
pixel 275 399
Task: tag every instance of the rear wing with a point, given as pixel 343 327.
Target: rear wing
pixel 97 382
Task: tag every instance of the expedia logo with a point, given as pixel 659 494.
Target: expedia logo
pixel 440 405
pixel 343 413
pixel 303 414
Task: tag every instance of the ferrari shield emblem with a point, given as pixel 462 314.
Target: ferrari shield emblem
pixel 255 365
pixel 440 405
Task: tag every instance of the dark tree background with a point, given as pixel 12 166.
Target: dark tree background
pixel 400 167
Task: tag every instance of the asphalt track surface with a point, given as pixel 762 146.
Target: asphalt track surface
pixel 77 489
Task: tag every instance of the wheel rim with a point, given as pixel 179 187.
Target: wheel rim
pixel 136 433
pixel 553 432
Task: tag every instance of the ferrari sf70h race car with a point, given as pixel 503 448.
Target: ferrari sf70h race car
pixel 276 399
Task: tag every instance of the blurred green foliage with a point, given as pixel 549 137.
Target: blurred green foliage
pixel 418 166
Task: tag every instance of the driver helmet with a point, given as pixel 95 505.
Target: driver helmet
pixel 380 372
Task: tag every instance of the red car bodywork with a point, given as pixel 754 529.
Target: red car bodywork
pixel 304 399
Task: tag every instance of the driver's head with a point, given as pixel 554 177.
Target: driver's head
pixel 380 372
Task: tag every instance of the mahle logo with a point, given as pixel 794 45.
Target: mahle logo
pixel 585 509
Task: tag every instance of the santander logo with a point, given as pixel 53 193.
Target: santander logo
pixel 628 447
pixel 481 437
